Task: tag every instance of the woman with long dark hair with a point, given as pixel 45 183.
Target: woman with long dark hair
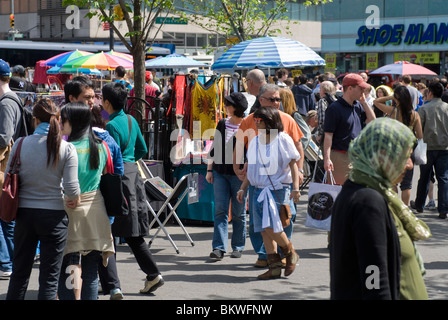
pixel 402 110
pixel 89 233
pixel 49 170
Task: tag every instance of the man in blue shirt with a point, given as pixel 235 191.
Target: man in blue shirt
pixel 344 120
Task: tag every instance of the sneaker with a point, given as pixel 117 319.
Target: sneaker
pixel 431 205
pixel 116 294
pixel 442 215
pixel 413 206
pixel 5 275
pixel 236 254
pixel 217 254
pixel 153 285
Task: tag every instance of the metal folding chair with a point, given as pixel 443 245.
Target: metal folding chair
pixel 159 190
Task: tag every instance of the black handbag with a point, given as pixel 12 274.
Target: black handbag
pixel 111 187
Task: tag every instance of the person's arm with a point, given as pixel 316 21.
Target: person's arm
pixel 70 181
pixel 328 141
pixel 418 126
pixel 295 192
pixel 140 146
pixel 380 103
pixel 370 115
pixel 6 124
pixel 299 148
pixel 242 191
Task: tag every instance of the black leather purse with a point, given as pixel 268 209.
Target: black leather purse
pixel 111 187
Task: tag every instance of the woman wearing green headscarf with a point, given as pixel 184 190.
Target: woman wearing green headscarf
pixel 372 255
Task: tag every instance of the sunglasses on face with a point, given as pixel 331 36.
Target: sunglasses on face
pixel 273 99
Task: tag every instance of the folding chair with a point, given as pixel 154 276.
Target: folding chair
pixel 159 190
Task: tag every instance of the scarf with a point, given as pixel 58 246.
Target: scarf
pixel 378 157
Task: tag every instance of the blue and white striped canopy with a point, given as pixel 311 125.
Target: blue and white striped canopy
pixel 268 52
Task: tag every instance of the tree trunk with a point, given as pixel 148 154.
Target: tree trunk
pixel 139 82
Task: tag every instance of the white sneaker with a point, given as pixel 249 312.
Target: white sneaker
pixel 153 285
pixel 5 275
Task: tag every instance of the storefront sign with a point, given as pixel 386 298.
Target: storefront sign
pixel 330 62
pixel 415 34
pixel 418 57
pixel 371 61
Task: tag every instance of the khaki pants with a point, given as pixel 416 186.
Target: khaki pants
pixel 341 166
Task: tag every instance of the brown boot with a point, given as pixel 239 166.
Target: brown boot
pixel 275 267
pixel 291 258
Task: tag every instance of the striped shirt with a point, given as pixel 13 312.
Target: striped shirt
pixel 230 129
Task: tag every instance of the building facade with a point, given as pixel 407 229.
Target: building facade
pixel 49 20
pixel 367 34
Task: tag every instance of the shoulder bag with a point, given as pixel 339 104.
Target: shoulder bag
pixel 111 188
pixel 9 200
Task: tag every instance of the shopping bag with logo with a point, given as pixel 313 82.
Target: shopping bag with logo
pixel 321 197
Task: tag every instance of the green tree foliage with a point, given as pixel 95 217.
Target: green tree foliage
pixel 242 19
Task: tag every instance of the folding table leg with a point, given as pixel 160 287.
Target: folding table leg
pixel 173 212
pixel 161 226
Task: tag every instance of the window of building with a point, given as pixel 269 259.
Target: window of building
pixel 191 40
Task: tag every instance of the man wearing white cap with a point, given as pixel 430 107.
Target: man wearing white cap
pixel 344 120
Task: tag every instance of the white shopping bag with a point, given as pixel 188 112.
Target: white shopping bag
pixel 420 153
pixel 321 197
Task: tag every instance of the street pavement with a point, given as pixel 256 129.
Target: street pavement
pixel 192 275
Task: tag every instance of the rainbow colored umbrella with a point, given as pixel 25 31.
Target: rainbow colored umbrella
pixel 126 56
pixel 65 57
pixel 100 61
pixel 56 70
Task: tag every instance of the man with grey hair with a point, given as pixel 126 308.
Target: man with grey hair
pixel 255 79
pixel 268 96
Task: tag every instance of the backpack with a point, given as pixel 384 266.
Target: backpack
pixel 27 127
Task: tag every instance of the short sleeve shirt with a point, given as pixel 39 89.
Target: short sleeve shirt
pixel 345 121
pixel 271 159
pixel 248 129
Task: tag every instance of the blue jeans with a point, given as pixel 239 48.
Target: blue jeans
pixel 225 190
pixel 89 275
pixel 6 245
pixel 439 160
pixel 255 237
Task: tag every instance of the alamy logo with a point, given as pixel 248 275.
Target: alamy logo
pixel 373 21
pixel 373 280
pixel 72 21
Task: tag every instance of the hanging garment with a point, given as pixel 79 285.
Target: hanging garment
pixel 205 101
pixel 179 89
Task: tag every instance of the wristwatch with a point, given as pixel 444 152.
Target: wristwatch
pixel 301 170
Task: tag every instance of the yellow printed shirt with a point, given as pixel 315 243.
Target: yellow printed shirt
pixel 204 106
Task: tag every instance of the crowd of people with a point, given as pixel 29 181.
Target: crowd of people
pixel 256 164
pixel 61 208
